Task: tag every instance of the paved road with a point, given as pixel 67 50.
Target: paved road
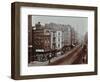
pixel 74 57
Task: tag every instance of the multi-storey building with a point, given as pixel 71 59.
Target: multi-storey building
pixel 66 35
pixel 60 35
pixel 56 39
pixel 41 41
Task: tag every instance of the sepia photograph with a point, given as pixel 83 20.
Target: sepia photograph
pixel 53 40
pixel 57 40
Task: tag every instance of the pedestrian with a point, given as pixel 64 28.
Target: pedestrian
pixel 48 58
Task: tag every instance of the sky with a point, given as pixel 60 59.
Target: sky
pixel 80 24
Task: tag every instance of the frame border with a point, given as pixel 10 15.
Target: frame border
pixel 15 40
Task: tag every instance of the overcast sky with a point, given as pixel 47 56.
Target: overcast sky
pixel 78 23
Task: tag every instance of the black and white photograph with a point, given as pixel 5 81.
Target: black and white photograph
pixel 53 40
pixel 57 40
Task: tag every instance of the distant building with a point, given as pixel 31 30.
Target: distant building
pixel 86 38
pixel 66 35
pixel 74 37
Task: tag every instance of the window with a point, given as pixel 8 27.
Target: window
pixel 59 33
pixel 58 45
pixel 54 38
pixel 59 39
pixel 54 34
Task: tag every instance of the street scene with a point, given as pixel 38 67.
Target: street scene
pixel 57 40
